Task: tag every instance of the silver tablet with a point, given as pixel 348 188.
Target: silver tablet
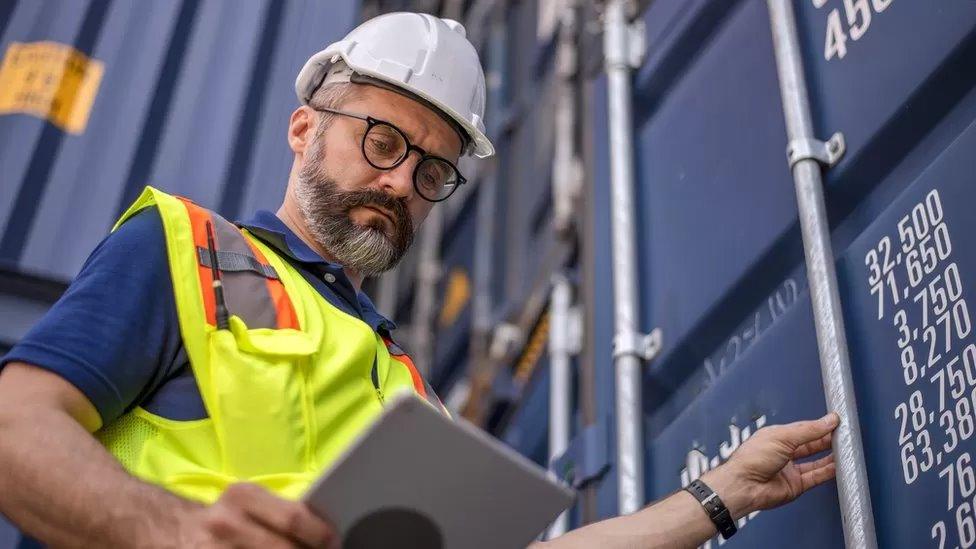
pixel 417 479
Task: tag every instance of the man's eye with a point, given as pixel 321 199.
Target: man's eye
pixel 380 145
pixel 429 182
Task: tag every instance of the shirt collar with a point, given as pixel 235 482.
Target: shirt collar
pixel 272 230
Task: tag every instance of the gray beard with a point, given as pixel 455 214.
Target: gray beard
pixel 325 209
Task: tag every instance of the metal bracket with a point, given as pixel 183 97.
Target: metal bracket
pixel 587 458
pixel 637 33
pixel 643 346
pixel 826 153
pixel 627 46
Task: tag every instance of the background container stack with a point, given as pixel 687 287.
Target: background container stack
pixel 191 96
pixel 194 96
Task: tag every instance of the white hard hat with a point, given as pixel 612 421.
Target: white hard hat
pixel 424 55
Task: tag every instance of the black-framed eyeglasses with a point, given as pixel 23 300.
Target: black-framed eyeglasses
pixel 385 147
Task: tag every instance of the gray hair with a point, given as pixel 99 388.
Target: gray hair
pixel 331 95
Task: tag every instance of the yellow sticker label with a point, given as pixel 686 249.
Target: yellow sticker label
pixel 457 292
pixel 51 81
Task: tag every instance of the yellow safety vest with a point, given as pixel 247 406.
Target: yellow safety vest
pixel 287 387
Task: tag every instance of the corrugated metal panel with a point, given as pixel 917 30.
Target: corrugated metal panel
pixel 915 375
pixel 194 99
pixel 721 258
pixel 453 323
pixel 710 156
pixel 721 264
pixel 525 250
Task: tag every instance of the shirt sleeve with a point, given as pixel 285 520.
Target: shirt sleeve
pixel 114 334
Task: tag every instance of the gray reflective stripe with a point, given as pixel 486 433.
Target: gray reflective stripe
pixel 234 262
pixel 395 349
pixel 245 291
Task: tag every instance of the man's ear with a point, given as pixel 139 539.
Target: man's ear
pixel 301 129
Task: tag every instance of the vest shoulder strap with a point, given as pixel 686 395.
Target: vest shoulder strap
pixel 252 289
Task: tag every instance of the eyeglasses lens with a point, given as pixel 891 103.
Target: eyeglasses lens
pixel 384 146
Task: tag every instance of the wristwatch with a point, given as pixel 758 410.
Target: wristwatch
pixel 714 507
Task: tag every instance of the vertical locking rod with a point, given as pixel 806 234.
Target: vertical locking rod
pixel 852 480
pixel 619 45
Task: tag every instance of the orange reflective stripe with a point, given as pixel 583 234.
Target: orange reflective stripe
pixel 279 296
pixel 418 381
pixel 199 217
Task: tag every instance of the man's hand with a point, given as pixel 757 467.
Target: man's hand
pixel 763 472
pixel 247 515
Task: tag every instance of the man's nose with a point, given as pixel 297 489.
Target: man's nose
pixel 399 181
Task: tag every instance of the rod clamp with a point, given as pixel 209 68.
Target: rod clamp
pixel 826 153
pixel 637 46
pixel 643 346
pixel 625 43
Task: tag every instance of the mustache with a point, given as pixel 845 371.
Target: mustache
pixel 397 207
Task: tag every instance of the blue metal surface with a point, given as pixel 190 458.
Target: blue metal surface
pixel 919 444
pixel 884 95
pixel 457 259
pixel 195 99
pixel 703 177
pixel 721 262
pixel 528 430
pixel 600 303
pixel 775 381
pixel 588 457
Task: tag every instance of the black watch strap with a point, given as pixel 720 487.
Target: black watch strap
pixel 714 507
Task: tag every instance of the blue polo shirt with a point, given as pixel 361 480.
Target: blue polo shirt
pixel 115 335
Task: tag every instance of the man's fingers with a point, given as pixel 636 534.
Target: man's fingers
pixel 231 528
pixel 803 432
pixel 814 465
pixel 818 476
pixel 295 521
pixel 289 519
pixel 810 448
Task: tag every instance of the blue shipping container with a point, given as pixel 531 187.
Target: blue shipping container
pixel 194 95
pixel 722 260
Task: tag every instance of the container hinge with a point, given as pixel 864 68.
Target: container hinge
pixel 826 153
pixel 643 346
pixel 587 458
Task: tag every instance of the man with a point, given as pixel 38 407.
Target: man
pixel 197 376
